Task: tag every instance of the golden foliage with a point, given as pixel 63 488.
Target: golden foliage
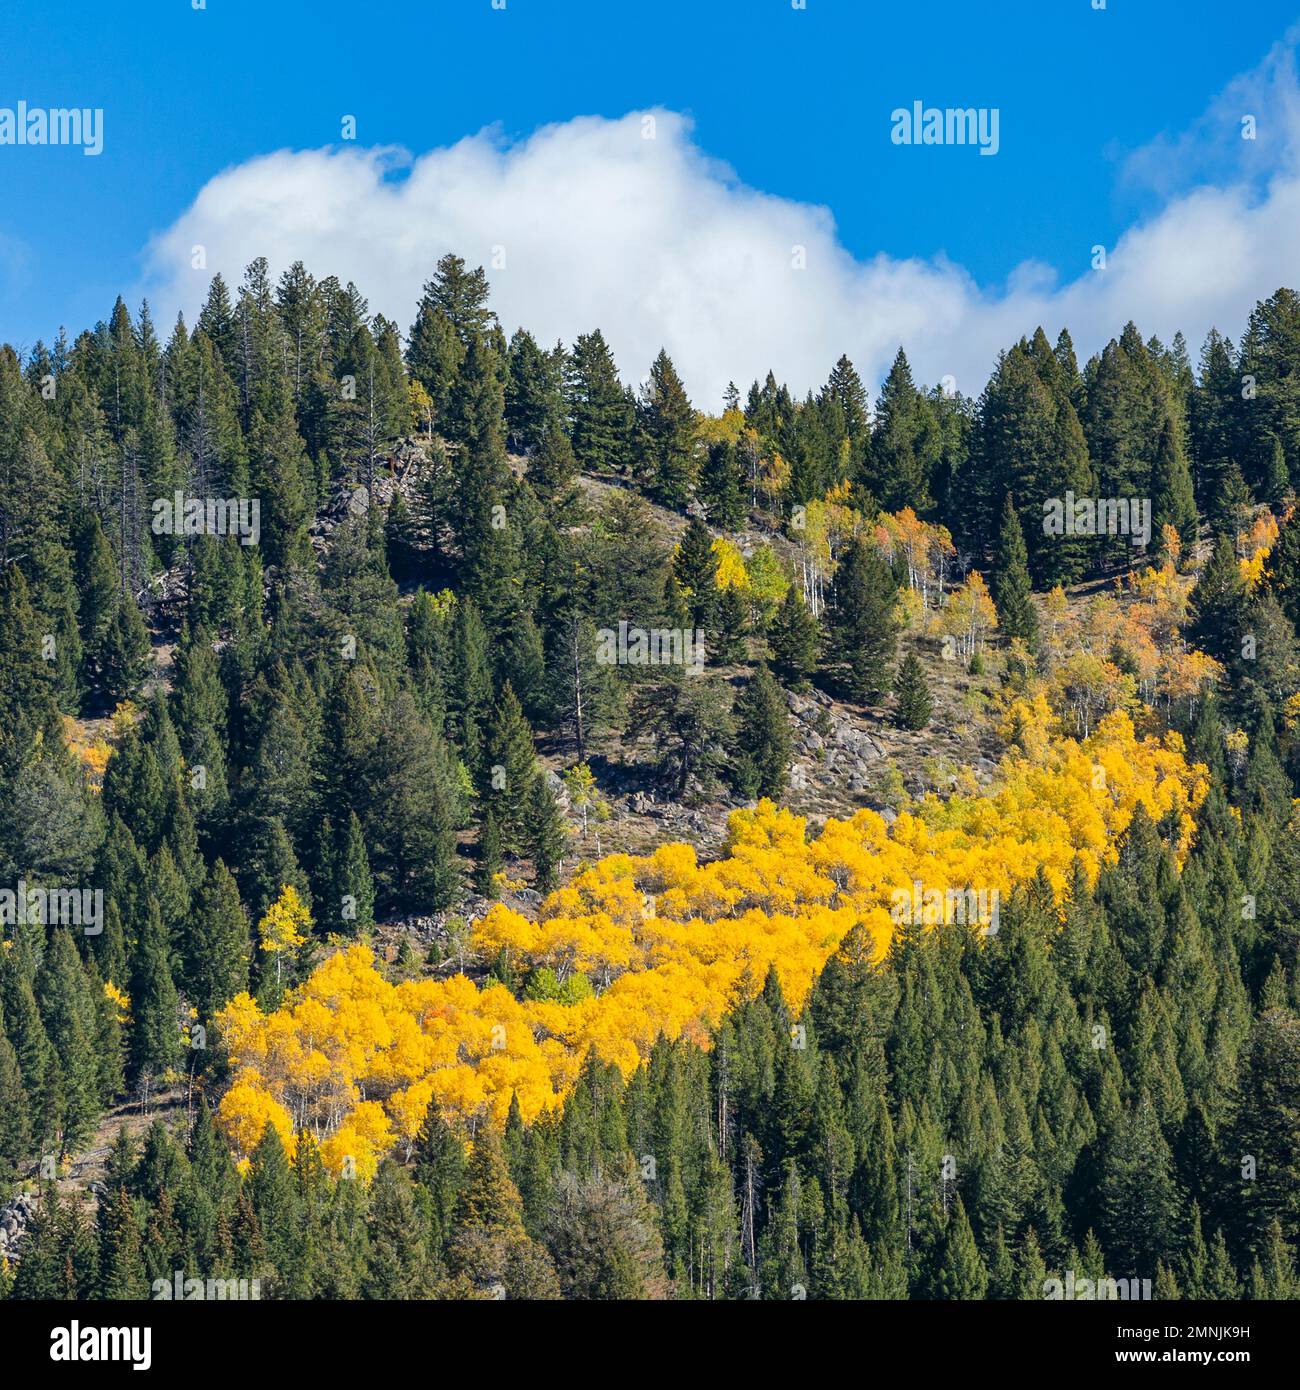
pixel 353 1060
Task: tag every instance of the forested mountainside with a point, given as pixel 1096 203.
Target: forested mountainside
pixel 469 828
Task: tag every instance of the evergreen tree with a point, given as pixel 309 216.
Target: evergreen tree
pixel 720 487
pixel 696 570
pixel 667 423
pixel 763 737
pixel 793 638
pixel 509 768
pixel 490 859
pixel 121 1264
pixel 547 833
pixel 1172 500
pixel 1009 580
pixel 913 691
pixel 490 1247
pixel 552 468
pixel 861 625
pixel 1218 607
pixel 126 654
pixel 155 1041
pixel 596 405
pixel 351 901
pixel 218 947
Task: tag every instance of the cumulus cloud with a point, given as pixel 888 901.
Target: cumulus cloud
pixel 589 223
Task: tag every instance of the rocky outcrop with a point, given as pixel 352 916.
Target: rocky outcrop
pixel 15 1217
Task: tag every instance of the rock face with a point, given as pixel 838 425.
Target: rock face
pixel 398 471
pixel 836 761
pixel 14 1220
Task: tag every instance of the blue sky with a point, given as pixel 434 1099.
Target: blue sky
pixel 797 103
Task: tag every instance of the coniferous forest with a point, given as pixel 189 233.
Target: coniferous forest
pixel 648 659
pixel 570 842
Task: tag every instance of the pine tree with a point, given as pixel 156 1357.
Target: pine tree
pixel 960 1271
pixel 121 1265
pixel 1218 606
pixel 1010 582
pixel 861 624
pixel 155 1042
pixel 490 861
pixel 490 1247
pixel 1172 500
pixel 696 570
pixel 126 655
pixel 410 826
pixel 439 1165
pixel 668 424
pixel 553 466
pixel 397 1261
pixel 71 1025
pixel 218 946
pixel 1139 1194
pixel 763 738
pixel 1283 575
pixel 26 686
pixel 469 690
pixel 1276 483
pixel 602 1234
pixel 352 890
pixel 913 691
pixel 793 638
pixel 547 833
pixel 1268 1127
pixel 720 487
pixel 904 441
pixel 509 768
pixel 596 405
pixel 15 1123
pixel 534 391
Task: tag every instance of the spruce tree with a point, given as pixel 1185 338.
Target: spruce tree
pixel 1219 606
pixel 121 1265
pixel 668 424
pixel 490 860
pixel 793 638
pixel 553 466
pixel 155 1041
pixel 1283 573
pixel 547 833
pixel 596 405
pixel 126 656
pixel 410 826
pixel 218 944
pixel 15 1122
pixel 1172 500
pixel 763 738
pixel 861 624
pixel 696 570
pixel 720 487
pixel 509 768
pixel 352 900
pixel 1010 581
pixel 913 693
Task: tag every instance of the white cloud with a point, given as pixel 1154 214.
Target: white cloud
pixel 659 244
